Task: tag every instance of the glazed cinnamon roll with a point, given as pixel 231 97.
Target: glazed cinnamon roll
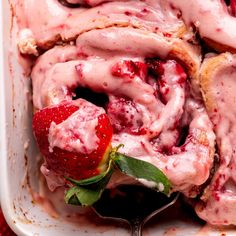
pixel 136 63
pixel 149 74
pixel 218 83
pixel 61 23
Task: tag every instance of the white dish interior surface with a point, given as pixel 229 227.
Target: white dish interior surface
pixel 20 184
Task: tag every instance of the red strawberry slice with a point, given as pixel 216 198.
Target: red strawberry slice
pixel 4 228
pixel 63 157
pixel 125 116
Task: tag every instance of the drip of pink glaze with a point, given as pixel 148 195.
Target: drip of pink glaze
pixel 53 179
pixel 46 204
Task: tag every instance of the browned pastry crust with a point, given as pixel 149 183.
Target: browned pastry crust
pixel 190 57
pixel 217 80
pixel 210 67
pixel 219 47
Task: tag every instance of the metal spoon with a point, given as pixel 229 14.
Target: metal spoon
pixel 133 204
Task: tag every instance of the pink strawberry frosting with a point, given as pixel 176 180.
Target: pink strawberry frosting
pixel 122 49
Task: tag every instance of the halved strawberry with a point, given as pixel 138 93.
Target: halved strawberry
pixel 74 138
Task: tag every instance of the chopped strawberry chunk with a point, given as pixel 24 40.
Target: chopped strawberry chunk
pixel 130 69
pixel 155 67
pixel 124 115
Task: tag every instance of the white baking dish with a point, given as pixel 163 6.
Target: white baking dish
pixel 19 175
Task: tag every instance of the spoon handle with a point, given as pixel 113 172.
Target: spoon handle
pixel 136 227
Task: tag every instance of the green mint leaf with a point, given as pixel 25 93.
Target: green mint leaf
pixel 82 196
pixel 70 197
pixel 89 192
pixel 88 181
pixel 142 171
pixel 92 180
